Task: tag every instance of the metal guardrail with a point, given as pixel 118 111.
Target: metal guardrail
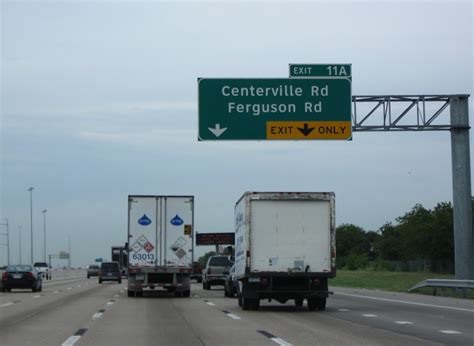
pixel 455 285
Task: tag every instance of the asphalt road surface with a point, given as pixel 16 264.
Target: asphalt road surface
pixel 83 312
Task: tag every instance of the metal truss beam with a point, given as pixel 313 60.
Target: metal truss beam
pixel 402 113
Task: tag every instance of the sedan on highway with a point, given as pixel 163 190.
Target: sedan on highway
pixel 22 276
pixel 93 270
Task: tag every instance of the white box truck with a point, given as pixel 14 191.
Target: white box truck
pixel 160 244
pixel 285 247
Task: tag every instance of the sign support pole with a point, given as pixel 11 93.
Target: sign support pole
pixel 462 206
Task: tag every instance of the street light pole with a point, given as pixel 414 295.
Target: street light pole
pixel 31 223
pixel 44 243
pixel 69 251
pixel 19 241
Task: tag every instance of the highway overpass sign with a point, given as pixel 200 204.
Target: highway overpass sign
pixel 274 109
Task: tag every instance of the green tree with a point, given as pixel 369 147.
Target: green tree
pixel 203 259
pixel 351 240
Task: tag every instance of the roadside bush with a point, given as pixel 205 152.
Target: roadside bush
pixel 383 265
pixel 356 261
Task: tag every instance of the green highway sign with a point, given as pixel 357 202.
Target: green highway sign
pixel 320 70
pixel 274 109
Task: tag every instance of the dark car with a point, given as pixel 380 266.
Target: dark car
pixel 230 283
pixel 93 270
pixel 197 272
pixel 110 271
pixel 21 276
pixel 213 274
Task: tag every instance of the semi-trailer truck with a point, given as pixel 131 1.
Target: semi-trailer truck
pixel 285 247
pixel 161 243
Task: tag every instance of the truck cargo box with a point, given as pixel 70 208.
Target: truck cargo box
pixel 160 238
pixel 287 241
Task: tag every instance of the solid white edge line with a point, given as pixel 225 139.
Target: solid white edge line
pixel 449 332
pixel 280 342
pixel 71 340
pixel 6 304
pixel 403 302
pixel 235 317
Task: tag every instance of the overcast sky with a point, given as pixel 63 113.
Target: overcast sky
pixel 99 101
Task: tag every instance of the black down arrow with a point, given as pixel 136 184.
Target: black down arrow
pixel 306 130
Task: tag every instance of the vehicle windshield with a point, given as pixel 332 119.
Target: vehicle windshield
pixel 220 262
pixel 19 268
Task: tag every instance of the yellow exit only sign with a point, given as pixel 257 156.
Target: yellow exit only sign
pixel 309 130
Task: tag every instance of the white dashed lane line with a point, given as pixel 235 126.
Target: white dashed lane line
pixel 69 288
pixel 273 338
pixel 34 297
pixel 110 302
pixel 209 303
pixel 98 314
pixel 235 317
pixel 343 310
pixel 73 339
pixel 369 315
pixel 403 322
pixel 450 332
pixel 6 304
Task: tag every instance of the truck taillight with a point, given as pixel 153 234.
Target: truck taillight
pixel 264 282
pixel 5 276
pixel 316 282
pixel 29 275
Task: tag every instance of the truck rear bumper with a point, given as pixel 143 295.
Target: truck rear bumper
pixel 170 281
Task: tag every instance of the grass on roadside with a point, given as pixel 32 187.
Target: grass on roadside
pixel 382 280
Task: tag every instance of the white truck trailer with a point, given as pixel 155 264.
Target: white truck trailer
pixel 161 245
pixel 285 247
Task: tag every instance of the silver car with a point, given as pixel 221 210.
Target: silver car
pixel 214 274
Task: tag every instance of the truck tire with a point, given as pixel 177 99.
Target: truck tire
pixel 246 303
pixel 299 302
pixel 239 299
pixel 199 280
pixel 203 285
pixel 187 293
pixel 321 302
pixel 139 294
pixel 255 304
pixel 130 294
pixel 312 304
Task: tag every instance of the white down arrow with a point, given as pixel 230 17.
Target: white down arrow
pixel 217 131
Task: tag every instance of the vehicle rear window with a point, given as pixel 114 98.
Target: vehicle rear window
pixel 40 264
pixel 19 268
pixel 93 267
pixel 220 262
pixel 109 266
